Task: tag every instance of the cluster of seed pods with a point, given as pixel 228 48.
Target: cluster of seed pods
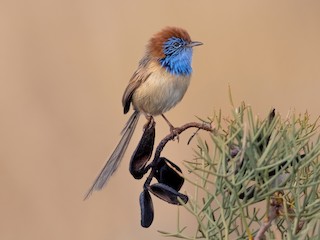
pixel 167 174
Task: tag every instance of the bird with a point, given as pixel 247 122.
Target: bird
pixel 159 83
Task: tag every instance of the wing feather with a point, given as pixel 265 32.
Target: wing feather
pixel 139 76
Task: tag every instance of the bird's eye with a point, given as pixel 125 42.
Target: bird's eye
pixel 176 44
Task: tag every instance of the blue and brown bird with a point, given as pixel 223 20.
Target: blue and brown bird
pixel 159 83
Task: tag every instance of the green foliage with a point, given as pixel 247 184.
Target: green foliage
pixel 250 168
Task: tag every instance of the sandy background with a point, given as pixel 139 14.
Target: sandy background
pixel 64 66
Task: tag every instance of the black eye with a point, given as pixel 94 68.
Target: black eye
pixel 176 44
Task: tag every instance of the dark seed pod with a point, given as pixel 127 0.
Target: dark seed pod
pixel 166 173
pixel 143 152
pixel 262 139
pixel 248 193
pixel 167 193
pixel 146 206
pixel 271 116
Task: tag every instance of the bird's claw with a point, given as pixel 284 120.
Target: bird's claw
pixel 150 122
pixel 174 133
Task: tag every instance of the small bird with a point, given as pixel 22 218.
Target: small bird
pixel 159 83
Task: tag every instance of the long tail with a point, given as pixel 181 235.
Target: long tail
pixel 117 155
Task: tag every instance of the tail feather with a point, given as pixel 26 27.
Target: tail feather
pixel 117 155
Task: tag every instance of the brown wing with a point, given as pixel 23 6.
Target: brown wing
pixel 139 76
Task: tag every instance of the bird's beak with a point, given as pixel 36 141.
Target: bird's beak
pixel 193 44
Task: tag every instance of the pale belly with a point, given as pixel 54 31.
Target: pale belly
pixel 160 92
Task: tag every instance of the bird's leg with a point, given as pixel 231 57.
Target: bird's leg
pixel 172 128
pixel 149 123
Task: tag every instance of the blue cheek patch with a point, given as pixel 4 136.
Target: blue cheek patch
pixel 179 62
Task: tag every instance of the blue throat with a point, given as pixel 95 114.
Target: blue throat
pixel 177 61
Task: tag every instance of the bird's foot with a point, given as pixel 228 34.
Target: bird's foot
pixel 173 130
pixel 149 123
pixel 174 133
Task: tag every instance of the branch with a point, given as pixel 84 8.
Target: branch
pixel 275 207
pixel 178 130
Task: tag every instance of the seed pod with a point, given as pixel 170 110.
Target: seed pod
pixel 143 152
pixel 248 193
pixel 166 173
pixel 167 193
pixel 146 206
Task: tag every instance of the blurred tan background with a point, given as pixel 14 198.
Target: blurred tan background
pixel 64 66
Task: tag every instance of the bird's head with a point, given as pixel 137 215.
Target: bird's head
pixel 172 47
